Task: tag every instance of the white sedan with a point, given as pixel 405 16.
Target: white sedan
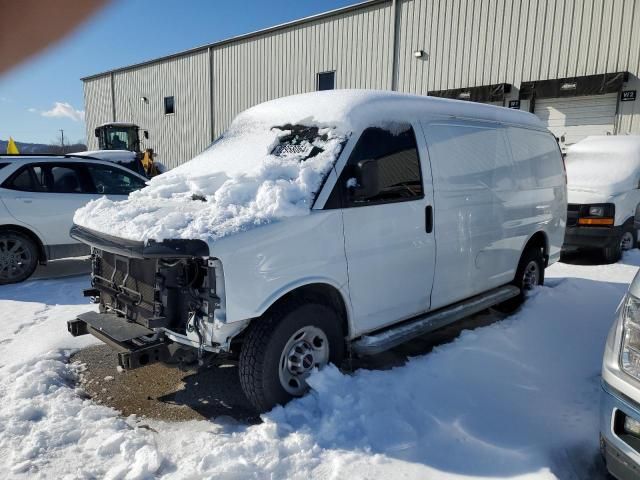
pixel 38 197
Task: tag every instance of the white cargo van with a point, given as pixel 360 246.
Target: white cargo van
pixel 603 180
pixel 322 225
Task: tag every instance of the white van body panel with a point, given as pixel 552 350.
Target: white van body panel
pixel 488 204
pixel 263 264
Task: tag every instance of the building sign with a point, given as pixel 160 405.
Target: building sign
pixel 515 104
pixel 628 96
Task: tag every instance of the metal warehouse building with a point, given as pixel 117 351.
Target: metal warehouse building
pixel 574 63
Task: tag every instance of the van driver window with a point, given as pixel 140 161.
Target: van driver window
pixel 398 166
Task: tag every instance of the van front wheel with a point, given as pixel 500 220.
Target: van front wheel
pixel 529 274
pixel 282 349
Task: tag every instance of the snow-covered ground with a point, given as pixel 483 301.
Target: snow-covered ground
pixel 516 399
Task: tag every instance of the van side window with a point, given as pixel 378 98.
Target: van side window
pixel 398 167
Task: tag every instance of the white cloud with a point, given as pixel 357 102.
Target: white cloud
pixel 63 109
pixel 32 110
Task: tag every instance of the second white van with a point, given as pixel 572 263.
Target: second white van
pixel 323 225
pixel 603 183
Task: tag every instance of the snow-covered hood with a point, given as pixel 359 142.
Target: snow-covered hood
pixel 587 196
pixel 603 165
pixel 257 172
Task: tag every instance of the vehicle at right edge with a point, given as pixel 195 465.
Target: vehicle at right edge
pixel 603 180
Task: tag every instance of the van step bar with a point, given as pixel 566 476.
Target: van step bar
pixel 392 337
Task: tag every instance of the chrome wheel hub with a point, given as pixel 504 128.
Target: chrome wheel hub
pixel 531 276
pixel 14 258
pixel 306 349
pixel 626 242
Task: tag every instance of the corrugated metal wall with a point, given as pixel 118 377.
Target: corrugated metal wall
pixel 467 43
pixel 178 137
pixel 484 42
pixel 97 106
pixel 356 44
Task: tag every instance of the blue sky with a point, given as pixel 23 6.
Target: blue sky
pixel 125 32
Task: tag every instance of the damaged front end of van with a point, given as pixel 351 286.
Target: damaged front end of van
pixel 157 301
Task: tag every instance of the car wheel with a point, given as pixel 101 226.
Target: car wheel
pixel 529 275
pixel 18 257
pixel 282 348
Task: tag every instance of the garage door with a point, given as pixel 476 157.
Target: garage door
pixel 575 118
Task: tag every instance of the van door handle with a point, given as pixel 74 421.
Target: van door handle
pixel 428 219
pixel 24 199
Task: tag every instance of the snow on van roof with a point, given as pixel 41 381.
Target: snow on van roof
pixel 604 164
pixel 353 109
pixel 249 177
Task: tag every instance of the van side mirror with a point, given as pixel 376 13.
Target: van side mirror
pixel 368 181
pixel 96 132
pixel 146 134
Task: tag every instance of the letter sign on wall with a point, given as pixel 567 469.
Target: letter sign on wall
pixel 514 104
pixel 628 96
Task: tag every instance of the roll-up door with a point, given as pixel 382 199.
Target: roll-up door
pixel 573 118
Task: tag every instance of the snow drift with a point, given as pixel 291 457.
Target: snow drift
pixel 607 165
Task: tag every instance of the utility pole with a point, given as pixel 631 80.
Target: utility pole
pixel 62 139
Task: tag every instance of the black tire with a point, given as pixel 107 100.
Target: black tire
pixel 529 256
pixel 612 253
pixel 263 347
pixel 18 257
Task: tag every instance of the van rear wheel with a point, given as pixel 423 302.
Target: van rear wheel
pixel 628 240
pixel 281 350
pixel 529 275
